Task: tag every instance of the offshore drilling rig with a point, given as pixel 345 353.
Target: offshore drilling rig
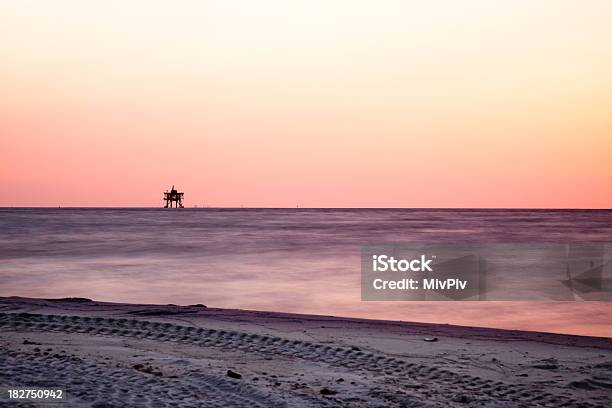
pixel 173 196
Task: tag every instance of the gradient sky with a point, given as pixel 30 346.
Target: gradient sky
pixel 316 103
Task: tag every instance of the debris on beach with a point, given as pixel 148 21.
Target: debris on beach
pixel 327 391
pixel 461 398
pixel 160 312
pixel 233 374
pixel 148 369
pixel 546 364
pixel 71 299
pixel 198 305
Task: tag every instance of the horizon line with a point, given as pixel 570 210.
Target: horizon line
pixel 308 208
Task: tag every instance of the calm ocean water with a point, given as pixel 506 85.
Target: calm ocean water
pixel 292 260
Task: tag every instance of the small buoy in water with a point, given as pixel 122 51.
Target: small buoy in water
pixel 430 339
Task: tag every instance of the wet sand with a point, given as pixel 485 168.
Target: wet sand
pixel 121 355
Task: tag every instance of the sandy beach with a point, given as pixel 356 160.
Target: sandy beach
pixel 116 355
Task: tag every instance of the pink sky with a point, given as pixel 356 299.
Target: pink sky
pixel 318 103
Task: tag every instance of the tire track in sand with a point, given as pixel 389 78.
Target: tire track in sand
pixel 446 383
pixel 107 386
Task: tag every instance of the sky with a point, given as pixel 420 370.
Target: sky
pixel 310 103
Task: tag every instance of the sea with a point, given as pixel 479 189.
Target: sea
pixel 284 260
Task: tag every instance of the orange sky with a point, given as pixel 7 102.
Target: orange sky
pixel 316 103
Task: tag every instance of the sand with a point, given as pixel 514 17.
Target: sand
pixel 122 355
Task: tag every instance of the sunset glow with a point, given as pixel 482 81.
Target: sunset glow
pixel 309 103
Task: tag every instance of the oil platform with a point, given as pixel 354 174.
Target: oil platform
pixel 173 196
